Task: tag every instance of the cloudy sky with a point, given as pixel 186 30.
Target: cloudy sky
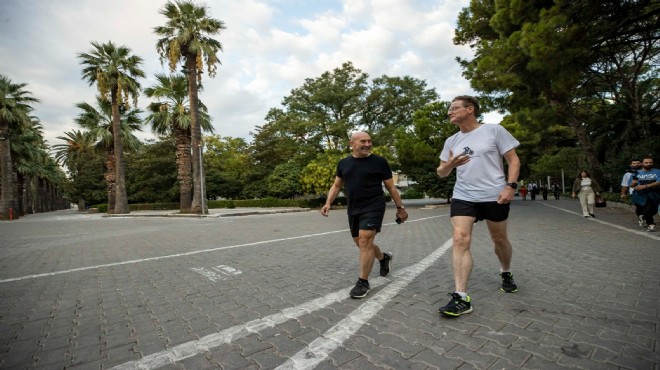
pixel 270 47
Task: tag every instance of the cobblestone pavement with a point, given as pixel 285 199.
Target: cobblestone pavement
pixel 81 291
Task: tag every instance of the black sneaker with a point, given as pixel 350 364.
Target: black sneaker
pixel 385 264
pixel 360 290
pixel 456 306
pixel 508 285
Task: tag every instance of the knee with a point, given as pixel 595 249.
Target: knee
pixel 461 239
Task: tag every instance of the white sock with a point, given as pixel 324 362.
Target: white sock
pixel 503 271
pixel 462 294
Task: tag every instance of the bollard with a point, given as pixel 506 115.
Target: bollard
pixel 11 214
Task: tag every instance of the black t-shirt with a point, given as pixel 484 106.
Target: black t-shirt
pixel 363 178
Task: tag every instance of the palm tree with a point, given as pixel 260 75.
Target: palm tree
pixel 170 116
pixel 100 125
pixel 114 70
pixel 14 111
pixel 77 149
pixel 187 37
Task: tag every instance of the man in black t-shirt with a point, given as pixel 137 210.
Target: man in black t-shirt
pixel 362 174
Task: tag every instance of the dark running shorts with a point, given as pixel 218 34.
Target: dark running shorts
pixel 490 211
pixel 365 221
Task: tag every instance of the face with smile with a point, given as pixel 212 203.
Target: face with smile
pixel 360 144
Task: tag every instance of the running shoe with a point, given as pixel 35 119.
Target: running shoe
pixel 651 228
pixel 642 222
pixel 386 264
pixel 456 306
pixel 360 290
pixel 508 285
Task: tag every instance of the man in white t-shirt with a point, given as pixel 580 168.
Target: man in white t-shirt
pixel 482 192
pixel 635 165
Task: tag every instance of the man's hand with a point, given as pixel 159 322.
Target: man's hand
pixel 402 215
pixel 506 195
pixel 325 210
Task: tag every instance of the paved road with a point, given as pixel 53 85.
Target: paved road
pixel 81 291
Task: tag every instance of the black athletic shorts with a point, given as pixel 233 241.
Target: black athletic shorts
pixel 365 221
pixel 490 211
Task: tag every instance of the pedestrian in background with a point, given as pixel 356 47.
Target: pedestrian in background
pixel 363 174
pixel 626 189
pixel 556 190
pixel 523 192
pixel 483 191
pixel 544 192
pixel 586 189
pixel 533 190
pixel 646 193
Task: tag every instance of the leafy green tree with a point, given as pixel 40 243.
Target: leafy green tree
pixel 152 173
pixel 114 71
pixel 319 174
pixel 390 105
pixel 187 36
pixel 170 116
pixel 15 107
pixel 284 181
pixel 419 148
pixel 229 164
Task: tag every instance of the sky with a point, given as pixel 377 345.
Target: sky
pixel 269 48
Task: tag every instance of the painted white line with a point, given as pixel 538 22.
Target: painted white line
pixel 204 344
pixel 642 233
pixel 319 349
pixel 130 262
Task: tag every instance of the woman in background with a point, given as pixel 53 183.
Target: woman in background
pixel 586 189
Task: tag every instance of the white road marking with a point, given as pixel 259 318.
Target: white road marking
pixel 642 233
pixel 317 351
pixel 342 330
pixel 35 276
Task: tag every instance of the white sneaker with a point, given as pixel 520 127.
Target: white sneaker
pixel 651 228
pixel 642 222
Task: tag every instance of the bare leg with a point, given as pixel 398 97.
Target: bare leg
pixel 461 254
pixel 368 252
pixel 503 248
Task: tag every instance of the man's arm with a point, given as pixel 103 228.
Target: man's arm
pixel 396 198
pixel 513 162
pixel 332 194
pixel 446 167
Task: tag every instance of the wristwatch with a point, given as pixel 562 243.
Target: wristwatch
pixel 513 185
pixel 402 207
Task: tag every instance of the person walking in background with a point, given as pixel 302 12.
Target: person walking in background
pixel 626 189
pixel 544 192
pixel 363 175
pixel 523 192
pixel 482 192
pixel 646 193
pixel 586 189
pixel 556 190
pixel 533 190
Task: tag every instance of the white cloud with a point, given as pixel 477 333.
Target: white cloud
pixel 270 47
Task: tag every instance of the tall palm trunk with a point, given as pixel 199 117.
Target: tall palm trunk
pixel 20 191
pixel 7 200
pixel 29 195
pixel 196 135
pixel 110 179
pixel 121 199
pixel 184 167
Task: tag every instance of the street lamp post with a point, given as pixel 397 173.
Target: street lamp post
pixel 201 178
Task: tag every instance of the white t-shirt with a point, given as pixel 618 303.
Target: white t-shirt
pixel 626 181
pixel 482 178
